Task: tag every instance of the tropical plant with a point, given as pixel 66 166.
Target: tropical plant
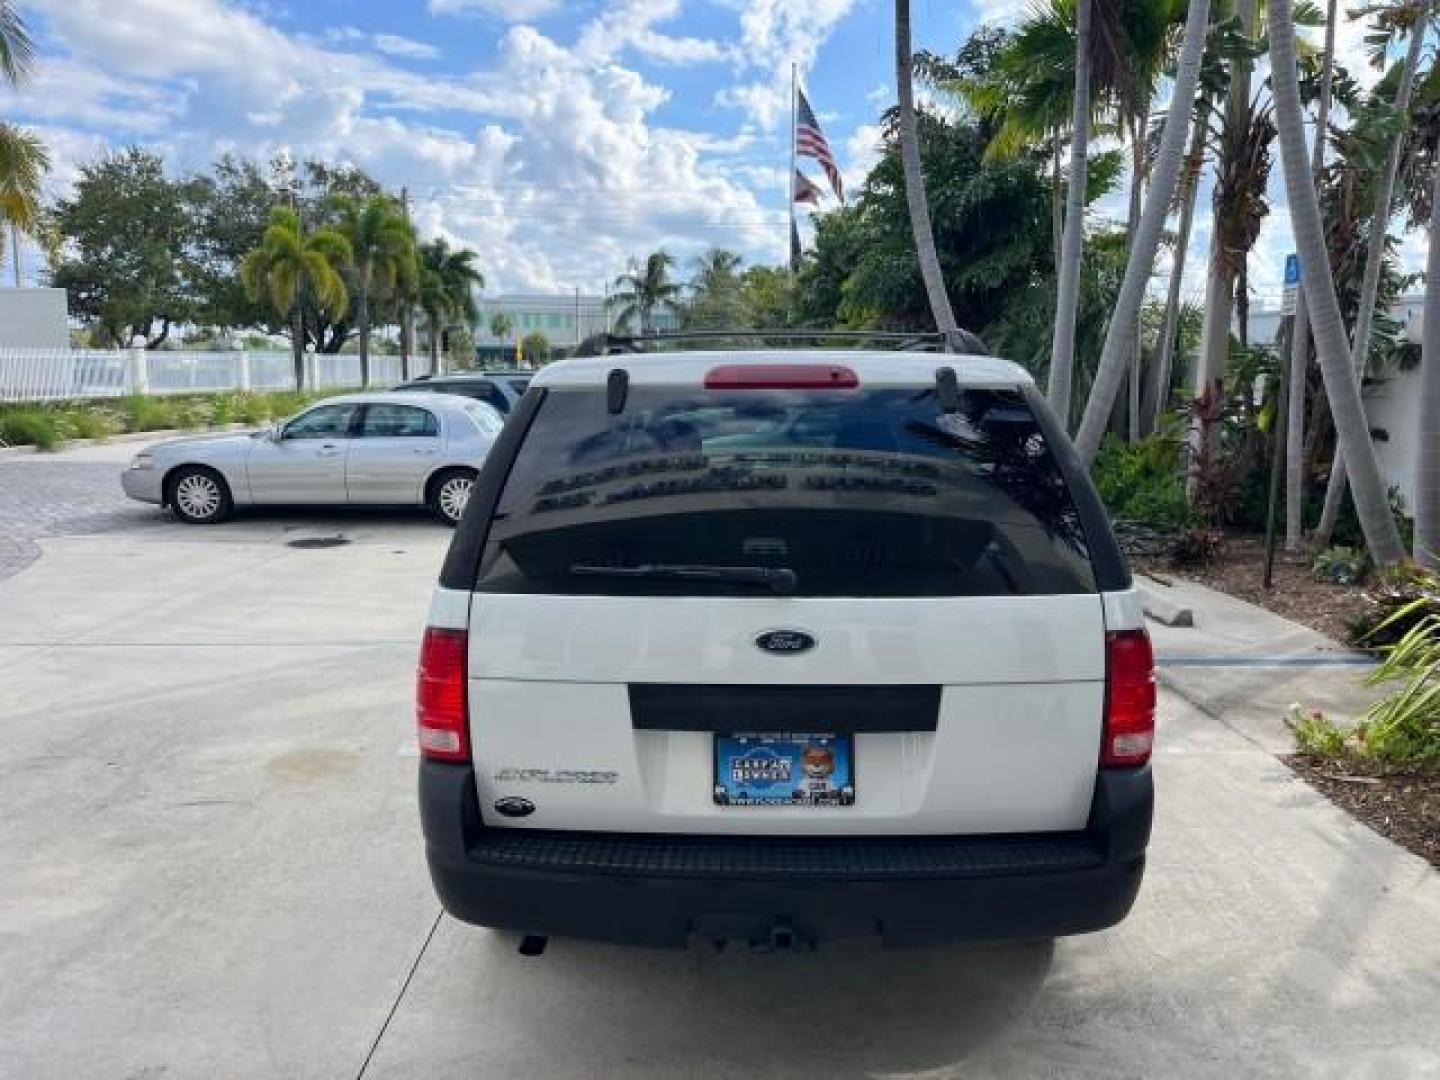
pixel 1414 17
pixel 1404 726
pixel 1226 255
pixel 501 324
pixel 1372 506
pixel 23 164
pixel 382 251
pixel 17 51
pixel 717 300
pixel 1341 565
pixel 1121 340
pixel 535 349
pixel 641 292
pixel 1144 481
pixel 289 267
pixel 1300 328
pixel 447 280
pixel 909 138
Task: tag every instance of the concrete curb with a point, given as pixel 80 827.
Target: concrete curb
pixel 126 437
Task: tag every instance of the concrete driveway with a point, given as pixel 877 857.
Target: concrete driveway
pixel 210 866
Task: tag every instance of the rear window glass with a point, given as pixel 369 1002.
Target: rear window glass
pixel 855 493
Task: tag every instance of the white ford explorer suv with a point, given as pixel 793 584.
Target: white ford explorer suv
pixel 778 647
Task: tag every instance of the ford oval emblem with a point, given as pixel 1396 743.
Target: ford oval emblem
pixel 514 806
pixel 785 642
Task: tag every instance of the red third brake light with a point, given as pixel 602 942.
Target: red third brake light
pixel 441 711
pixel 1129 699
pixel 781 377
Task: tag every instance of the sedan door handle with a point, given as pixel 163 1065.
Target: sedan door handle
pixel 428 451
pixel 328 451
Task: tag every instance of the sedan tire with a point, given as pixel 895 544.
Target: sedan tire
pixel 199 496
pixel 449 492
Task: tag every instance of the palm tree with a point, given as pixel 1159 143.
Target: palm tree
pixel 639 294
pixel 1120 338
pixel 23 163
pixel 915 180
pixel 382 247
pixel 1427 466
pixel 1371 504
pixel 1416 18
pixel 291 266
pixel 1220 278
pixel 23 158
pixel 17 51
pixel 1072 243
pixel 1300 328
pixel 501 324
pixel 448 278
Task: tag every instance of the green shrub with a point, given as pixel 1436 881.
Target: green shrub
pixel 89 423
pixel 142 413
pixel 1394 594
pixel 1341 565
pixel 40 428
pixel 191 412
pixel 1316 733
pixel 1144 482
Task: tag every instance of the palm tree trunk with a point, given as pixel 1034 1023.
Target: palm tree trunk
pixel 1170 328
pixel 1219 282
pixel 297 333
pixel 1300 330
pixel 407 338
pixel 1119 339
pixel 1071 252
pixel 434 346
pixel 1057 198
pixel 362 319
pixel 15 251
pixel 1374 262
pixel 915 181
pixel 1137 186
pixel 1427 467
pixel 1381 536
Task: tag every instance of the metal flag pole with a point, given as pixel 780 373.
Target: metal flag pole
pixel 790 181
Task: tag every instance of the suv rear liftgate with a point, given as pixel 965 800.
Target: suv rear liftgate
pixel 785 654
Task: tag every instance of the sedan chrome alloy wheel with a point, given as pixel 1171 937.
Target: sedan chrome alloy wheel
pixel 198 496
pixel 454 495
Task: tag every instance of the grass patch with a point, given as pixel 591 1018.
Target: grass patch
pixel 47 426
pixel 39 428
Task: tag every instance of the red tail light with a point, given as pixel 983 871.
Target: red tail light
pixel 781 377
pixel 1129 699
pixel 441 710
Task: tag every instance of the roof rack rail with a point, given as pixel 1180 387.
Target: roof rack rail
pixel 613 344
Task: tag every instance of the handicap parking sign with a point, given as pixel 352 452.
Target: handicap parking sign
pixel 1292 270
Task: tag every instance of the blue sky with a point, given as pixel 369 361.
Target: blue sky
pixel 557 137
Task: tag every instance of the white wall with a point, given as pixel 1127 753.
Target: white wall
pixel 1391 403
pixel 33 319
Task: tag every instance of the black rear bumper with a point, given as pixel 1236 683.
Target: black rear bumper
pixel 660 890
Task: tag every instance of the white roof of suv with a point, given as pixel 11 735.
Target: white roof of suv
pixel 874 367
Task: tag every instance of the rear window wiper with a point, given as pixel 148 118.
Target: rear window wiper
pixel 781 580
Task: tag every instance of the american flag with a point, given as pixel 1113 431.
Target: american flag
pixel 804 189
pixel 810 142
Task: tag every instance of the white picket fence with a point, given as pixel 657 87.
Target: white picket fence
pixel 58 374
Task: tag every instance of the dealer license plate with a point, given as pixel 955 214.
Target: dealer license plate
pixel 788 769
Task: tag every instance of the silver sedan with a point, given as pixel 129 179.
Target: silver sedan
pixel 377 449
